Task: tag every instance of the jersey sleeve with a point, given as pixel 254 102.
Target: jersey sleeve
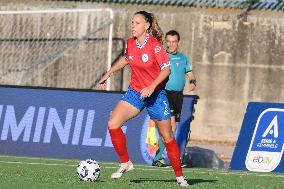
pixel 188 67
pixel 161 55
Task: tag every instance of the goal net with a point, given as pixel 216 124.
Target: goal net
pixel 69 48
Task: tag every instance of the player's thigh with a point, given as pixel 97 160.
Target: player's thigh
pixel 121 113
pixel 165 129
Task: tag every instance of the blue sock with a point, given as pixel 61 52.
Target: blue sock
pixel 159 153
pixel 174 133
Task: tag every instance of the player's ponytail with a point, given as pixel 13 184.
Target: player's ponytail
pixel 154 27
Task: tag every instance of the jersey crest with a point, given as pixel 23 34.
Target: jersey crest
pixel 145 58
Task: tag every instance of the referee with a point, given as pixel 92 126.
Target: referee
pixel 180 69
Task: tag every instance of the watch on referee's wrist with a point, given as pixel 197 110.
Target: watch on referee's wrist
pixel 192 81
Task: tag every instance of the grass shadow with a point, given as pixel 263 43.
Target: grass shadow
pixel 190 181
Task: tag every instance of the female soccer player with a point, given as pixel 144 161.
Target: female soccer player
pixel 150 69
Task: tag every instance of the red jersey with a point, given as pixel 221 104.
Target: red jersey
pixel 146 62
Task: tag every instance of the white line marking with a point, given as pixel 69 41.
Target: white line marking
pixel 35 163
pixel 54 159
pixel 147 168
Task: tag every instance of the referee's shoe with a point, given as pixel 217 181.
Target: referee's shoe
pixel 160 163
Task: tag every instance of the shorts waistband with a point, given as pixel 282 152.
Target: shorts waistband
pixel 156 90
pixel 175 92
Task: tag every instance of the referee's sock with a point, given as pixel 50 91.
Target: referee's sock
pixel 160 151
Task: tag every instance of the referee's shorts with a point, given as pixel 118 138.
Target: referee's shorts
pixel 175 99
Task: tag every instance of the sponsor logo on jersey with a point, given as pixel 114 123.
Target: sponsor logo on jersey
pixel 166 112
pixel 157 49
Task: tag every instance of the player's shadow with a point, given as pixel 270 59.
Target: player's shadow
pixel 190 181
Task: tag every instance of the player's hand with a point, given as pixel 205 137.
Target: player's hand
pixel 102 82
pixel 147 92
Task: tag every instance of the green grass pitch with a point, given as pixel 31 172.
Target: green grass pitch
pixel 43 173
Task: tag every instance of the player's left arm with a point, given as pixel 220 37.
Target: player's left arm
pixel 192 81
pixel 190 76
pixel 163 61
pixel 147 91
pixel 165 72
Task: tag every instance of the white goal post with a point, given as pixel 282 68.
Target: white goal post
pixel 69 48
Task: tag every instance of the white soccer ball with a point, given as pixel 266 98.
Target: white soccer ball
pixel 88 170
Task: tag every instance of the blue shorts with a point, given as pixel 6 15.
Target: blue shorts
pixel 157 104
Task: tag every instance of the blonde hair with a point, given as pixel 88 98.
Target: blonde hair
pixel 154 27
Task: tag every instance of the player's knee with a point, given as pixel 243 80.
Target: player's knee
pixel 167 138
pixel 113 124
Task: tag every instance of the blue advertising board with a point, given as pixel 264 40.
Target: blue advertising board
pixel 72 124
pixel 261 141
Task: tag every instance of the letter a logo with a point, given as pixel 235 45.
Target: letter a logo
pixel 272 128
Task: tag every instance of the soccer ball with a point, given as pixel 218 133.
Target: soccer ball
pixel 88 170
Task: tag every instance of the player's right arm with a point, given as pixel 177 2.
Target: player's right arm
pixel 119 65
